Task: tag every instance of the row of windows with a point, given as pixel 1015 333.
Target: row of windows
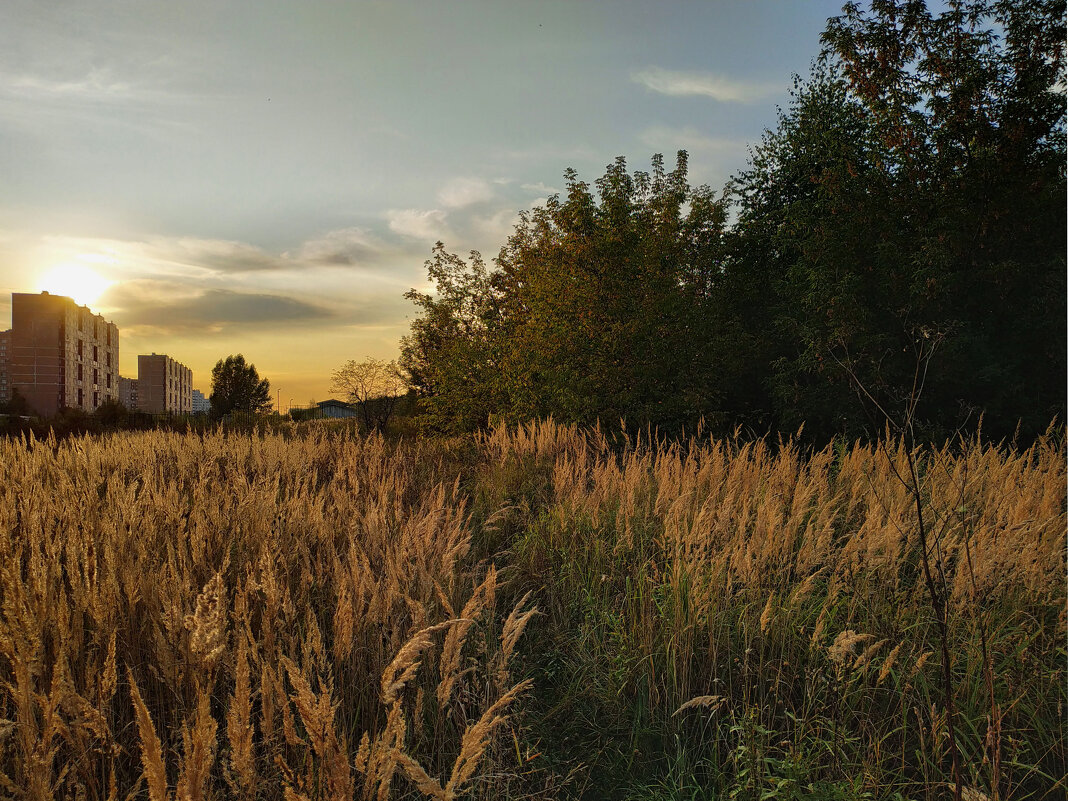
pixel 96 376
pixel 96 353
pixel 95 325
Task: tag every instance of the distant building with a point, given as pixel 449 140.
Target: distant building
pixel 333 409
pixel 59 354
pixel 164 386
pixel 128 394
pixel 201 404
pixel 5 387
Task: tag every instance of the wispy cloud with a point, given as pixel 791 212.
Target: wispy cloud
pixel 665 138
pixel 429 224
pixel 495 228
pixel 540 188
pixel 151 306
pixel 703 84
pixel 461 192
pixel 345 247
pixel 97 85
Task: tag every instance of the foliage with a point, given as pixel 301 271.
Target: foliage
pixel 450 354
pixel 374 386
pixel 236 386
pixel 914 188
pixel 596 309
pixel 16 405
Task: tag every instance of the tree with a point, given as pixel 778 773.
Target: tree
pixel 451 354
pixel 600 307
pixel 914 187
pixel 17 404
pixel 237 387
pixel 374 386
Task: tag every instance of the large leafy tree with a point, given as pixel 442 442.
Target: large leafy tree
pixel 914 190
pixel 607 298
pixel 599 309
pixel 236 386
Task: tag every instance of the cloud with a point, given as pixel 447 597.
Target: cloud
pixel 703 84
pixel 664 138
pixel 495 228
pixel 97 85
pixel 148 305
pixel 540 189
pixel 462 192
pixel 217 255
pixel 341 248
pixel 429 224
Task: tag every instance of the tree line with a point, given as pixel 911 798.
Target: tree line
pixel 900 233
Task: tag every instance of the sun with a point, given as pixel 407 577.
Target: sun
pixel 75 281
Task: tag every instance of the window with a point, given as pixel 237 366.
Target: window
pixel 96 377
pixel 96 399
pixel 79 372
pixel 80 397
pixel 109 380
pixel 80 344
pixel 109 358
pixel 96 354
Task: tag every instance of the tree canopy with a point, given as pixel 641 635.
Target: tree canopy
pixel 236 386
pixel 913 191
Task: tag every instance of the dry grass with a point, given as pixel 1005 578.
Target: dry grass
pixel 336 608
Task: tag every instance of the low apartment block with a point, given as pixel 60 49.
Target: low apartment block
pixel 163 385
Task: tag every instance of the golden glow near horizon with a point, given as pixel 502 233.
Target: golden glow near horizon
pixel 76 281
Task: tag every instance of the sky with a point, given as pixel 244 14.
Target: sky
pixel 269 178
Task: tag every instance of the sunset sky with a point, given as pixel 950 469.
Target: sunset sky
pixel 268 178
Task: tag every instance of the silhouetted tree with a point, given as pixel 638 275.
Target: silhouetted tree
pixel 16 404
pixel 374 386
pixel 237 386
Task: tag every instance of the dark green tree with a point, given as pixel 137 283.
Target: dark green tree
pixel 17 404
pixel 237 387
pixel 914 189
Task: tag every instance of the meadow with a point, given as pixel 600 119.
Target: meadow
pixel 540 612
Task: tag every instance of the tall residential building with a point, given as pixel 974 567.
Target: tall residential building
pixel 164 385
pixel 5 386
pixel 60 354
pixel 201 404
pixel 128 394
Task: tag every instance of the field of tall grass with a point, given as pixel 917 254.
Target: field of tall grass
pixel 531 613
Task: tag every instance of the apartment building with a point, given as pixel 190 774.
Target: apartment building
pixel 5 387
pixel 60 354
pixel 128 394
pixel 201 404
pixel 164 385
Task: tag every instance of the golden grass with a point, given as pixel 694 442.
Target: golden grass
pixel 301 592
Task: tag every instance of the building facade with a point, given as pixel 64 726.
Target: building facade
pixel 128 394
pixel 60 354
pixel 201 404
pixel 5 386
pixel 164 386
